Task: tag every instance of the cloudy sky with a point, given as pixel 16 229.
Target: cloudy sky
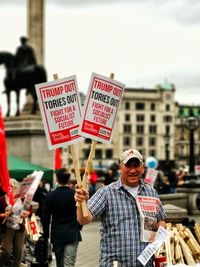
pixel 143 42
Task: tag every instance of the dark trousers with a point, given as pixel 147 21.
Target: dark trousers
pixel 66 255
pixel 12 242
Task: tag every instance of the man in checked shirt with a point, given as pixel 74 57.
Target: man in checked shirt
pixel 117 208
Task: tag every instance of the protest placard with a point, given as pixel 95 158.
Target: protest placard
pixel 24 186
pixel 29 185
pixel 33 187
pixel 150 176
pixel 100 109
pixel 60 108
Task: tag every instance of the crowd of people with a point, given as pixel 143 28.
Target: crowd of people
pixel 57 213
pixel 166 181
pixel 114 202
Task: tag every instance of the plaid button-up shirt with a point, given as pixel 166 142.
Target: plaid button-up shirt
pixel 120 228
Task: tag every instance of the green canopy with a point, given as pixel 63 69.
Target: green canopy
pixel 19 169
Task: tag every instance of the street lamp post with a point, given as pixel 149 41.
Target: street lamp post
pixel 167 141
pixel 191 124
pixel 191 181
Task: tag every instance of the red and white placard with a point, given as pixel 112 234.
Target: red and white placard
pixel 60 108
pixel 100 109
pixel 150 176
pixel 29 185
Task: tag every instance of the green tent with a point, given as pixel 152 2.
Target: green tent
pixel 19 169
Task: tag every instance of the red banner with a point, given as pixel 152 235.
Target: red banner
pixel 57 159
pixel 4 174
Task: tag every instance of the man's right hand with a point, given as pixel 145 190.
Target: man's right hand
pixel 81 194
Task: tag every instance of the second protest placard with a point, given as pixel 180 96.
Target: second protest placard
pixel 100 109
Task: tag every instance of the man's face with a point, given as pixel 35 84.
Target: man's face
pixel 131 172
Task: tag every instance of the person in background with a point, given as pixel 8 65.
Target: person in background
pixel 161 184
pixel 47 186
pixel 13 236
pixel 3 212
pixel 93 178
pixel 180 174
pixel 40 197
pixel 173 180
pixel 60 211
pixel 116 205
pixel 109 177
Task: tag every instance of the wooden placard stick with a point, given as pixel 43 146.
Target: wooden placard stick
pixel 91 155
pixel 78 178
pixel 76 168
pixel 89 163
pixel 75 163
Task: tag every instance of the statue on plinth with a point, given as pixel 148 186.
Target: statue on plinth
pixel 22 72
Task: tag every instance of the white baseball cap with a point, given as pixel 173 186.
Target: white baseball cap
pixel 129 154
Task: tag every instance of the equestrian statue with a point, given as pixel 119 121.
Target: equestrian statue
pixel 22 72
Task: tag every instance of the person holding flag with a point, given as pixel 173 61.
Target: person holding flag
pixel 6 196
pixel 9 209
pixel 4 174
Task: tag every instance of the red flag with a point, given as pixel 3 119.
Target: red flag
pixel 4 174
pixel 57 159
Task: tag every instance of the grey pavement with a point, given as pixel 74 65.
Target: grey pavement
pixel 88 251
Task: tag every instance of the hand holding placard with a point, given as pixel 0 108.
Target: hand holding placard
pixel 78 178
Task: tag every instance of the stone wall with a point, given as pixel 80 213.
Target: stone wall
pixel 177 199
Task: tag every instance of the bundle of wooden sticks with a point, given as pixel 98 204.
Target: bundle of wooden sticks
pixel 182 246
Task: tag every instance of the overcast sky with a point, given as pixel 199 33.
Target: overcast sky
pixel 143 42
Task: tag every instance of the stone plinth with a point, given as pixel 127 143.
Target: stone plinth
pixel 175 214
pixel 192 195
pixel 177 199
pixel 25 138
